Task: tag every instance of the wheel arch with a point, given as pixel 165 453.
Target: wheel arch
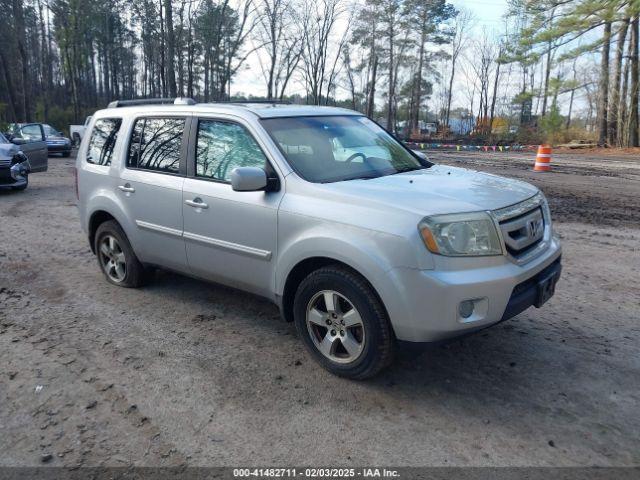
pixel 98 218
pixel 101 206
pixel 304 268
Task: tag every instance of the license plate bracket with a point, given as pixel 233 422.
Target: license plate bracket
pixel 546 289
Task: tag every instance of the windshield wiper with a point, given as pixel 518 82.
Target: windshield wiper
pixel 363 177
pixel 413 169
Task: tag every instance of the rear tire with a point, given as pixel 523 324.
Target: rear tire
pixel 343 324
pixel 116 258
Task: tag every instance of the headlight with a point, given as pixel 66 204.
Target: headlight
pixel 459 235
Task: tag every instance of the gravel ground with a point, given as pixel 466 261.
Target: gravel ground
pixel 185 372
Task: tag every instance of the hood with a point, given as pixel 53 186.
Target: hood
pixel 8 150
pixel 437 190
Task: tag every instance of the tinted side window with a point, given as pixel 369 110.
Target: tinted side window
pixel 103 140
pixel 155 144
pixel 223 146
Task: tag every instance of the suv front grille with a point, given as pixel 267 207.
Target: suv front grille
pixel 523 227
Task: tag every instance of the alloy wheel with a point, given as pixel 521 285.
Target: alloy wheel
pixel 112 259
pixel 335 326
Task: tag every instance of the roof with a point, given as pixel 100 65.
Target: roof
pixel 260 110
pixel 270 110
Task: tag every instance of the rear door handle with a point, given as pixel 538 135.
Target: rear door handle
pixel 126 188
pixel 196 203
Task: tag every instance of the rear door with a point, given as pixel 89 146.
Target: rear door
pixel 34 146
pixel 150 188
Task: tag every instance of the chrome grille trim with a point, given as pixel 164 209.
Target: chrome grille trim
pixel 513 217
pixel 523 231
pixel 5 163
pixel 518 209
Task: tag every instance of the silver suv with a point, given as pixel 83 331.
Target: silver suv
pixel 363 243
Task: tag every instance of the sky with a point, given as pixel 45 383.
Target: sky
pixel 488 12
pixel 250 81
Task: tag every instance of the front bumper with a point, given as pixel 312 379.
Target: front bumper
pixel 14 176
pixel 526 294
pixel 59 147
pixel 423 305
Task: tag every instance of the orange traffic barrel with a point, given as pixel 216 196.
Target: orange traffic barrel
pixel 543 160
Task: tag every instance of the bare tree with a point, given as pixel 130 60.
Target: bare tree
pixel 483 64
pixel 634 140
pixel 617 77
pixel 461 29
pixel 319 22
pixel 396 38
pixel 365 33
pixel 171 48
pixel 278 35
pixel 21 38
pixel 603 103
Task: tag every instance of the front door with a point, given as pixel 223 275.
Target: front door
pixel 33 144
pixel 150 188
pixel 230 237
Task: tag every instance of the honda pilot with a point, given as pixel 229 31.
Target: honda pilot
pixel 367 246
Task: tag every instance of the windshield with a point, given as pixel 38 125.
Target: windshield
pixel 3 139
pixel 338 148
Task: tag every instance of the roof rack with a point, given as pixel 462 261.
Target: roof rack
pixel 152 101
pixel 268 102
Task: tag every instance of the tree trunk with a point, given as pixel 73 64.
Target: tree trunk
pixel 573 94
pixel 547 75
pixel 25 82
pixel 603 87
pixel 634 141
pixel 493 100
pixel 45 83
pixel 163 71
pixel 180 52
pixel 417 100
pixel 450 93
pixel 391 89
pixel 623 109
pixel 371 105
pixel 13 101
pixel 615 89
pixel 171 46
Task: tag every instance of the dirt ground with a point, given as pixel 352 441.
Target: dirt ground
pixel 185 372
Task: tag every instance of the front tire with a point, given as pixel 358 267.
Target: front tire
pixel 116 258
pixel 343 324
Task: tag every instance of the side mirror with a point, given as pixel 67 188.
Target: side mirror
pixel 248 179
pixel 18 141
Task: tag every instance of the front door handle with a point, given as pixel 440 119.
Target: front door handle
pixel 196 203
pixel 127 188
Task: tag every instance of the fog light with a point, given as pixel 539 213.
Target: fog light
pixel 466 308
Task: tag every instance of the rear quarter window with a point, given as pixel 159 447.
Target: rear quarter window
pixel 103 140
